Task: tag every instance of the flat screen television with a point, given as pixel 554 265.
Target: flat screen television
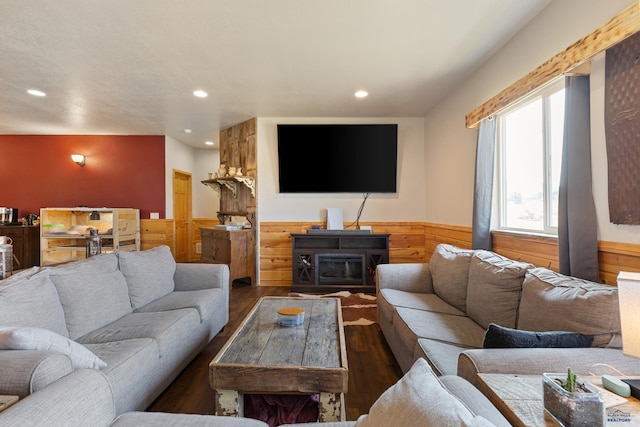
pixel 340 158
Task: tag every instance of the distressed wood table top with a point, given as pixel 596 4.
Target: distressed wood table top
pixel 519 398
pixel 263 357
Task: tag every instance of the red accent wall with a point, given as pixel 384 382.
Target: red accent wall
pixel 120 171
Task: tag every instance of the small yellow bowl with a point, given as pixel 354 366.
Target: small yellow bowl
pixel 290 316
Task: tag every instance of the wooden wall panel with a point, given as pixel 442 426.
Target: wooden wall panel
pixel 442 233
pixel 540 251
pixel 156 232
pixel 238 149
pixel 410 242
pixel 406 244
pixel 615 257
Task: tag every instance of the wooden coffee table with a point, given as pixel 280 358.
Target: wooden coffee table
pixel 519 399
pixel 264 358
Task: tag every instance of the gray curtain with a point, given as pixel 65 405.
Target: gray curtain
pixel 577 223
pixel 483 185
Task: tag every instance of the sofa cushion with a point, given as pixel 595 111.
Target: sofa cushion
pixel 12 338
pixel 93 293
pixel 170 329
pixel 501 337
pixel 419 399
pixel 449 268
pixel 426 302
pixel 134 369
pixel 477 402
pixel 149 274
pixel 29 298
pixel 206 301
pixel 442 356
pixel 554 302
pixel 411 324
pixel 495 284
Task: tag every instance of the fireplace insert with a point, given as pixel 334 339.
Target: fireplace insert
pixel 340 268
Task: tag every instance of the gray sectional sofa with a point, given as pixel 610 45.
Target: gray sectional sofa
pixel 92 343
pixel 441 310
pixel 131 321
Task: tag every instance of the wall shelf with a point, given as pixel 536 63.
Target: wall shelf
pixel 231 182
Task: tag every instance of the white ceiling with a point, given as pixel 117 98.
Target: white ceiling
pixel 130 66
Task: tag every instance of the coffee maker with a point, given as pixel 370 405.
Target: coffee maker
pixel 9 216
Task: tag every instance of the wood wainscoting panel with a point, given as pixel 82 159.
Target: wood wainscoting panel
pixel 615 257
pixel 406 244
pixel 276 251
pixel 541 251
pixel 455 235
pixel 156 232
pixel 415 242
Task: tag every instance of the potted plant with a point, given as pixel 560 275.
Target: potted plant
pixel 572 401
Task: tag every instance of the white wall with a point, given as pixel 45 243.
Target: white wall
pixel 206 201
pixel 198 162
pixel 450 147
pixel 408 204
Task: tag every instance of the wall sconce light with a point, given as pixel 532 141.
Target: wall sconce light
pixel 78 159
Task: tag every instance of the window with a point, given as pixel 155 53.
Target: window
pixel 529 157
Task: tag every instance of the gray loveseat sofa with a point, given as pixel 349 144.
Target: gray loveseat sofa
pixel 120 324
pixel 441 310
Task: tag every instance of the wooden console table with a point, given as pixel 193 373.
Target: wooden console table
pixel 328 261
pixel 236 248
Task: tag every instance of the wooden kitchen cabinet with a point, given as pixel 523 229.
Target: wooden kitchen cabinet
pixel 26 244
pixel 236 248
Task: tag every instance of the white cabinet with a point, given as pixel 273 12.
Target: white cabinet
pixel 64 231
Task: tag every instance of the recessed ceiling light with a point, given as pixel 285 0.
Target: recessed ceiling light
pixel 200 93
pixel 36 92
pixel 209 143
pixel 187 131
pixel 361 94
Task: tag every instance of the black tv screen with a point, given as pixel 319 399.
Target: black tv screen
pixel 341 158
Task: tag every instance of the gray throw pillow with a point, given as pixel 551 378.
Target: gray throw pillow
pixel 500 337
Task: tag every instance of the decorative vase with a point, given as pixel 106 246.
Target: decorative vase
pixel 232 171
pixel 239 171
pixel 222 171
pixel 582 408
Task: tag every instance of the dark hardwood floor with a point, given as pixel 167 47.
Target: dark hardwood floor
pixel 372 367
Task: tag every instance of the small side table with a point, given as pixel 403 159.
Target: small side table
pixel 6 401
pixel 519 399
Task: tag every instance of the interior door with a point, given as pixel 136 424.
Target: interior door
pixel 182 215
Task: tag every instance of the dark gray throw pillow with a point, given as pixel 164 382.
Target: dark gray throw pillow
pixel 500 337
